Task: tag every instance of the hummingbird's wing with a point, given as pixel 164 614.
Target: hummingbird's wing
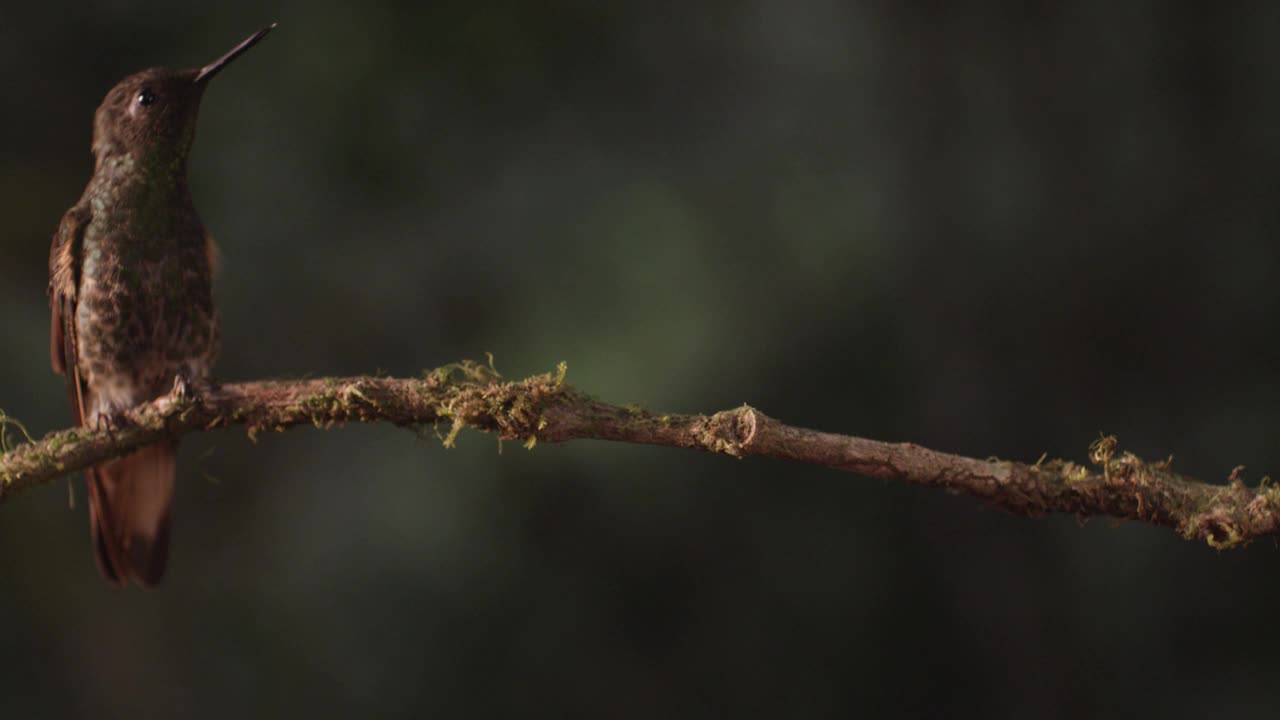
pixel 64 283
pixel 213 252
pixel 64 291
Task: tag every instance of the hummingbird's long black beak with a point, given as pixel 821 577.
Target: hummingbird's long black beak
pixel 216 66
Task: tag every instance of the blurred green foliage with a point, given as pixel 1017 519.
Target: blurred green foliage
pixel 990 229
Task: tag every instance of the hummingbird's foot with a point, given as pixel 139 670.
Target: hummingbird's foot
pixel 189 388
pixel 181 387
pixel 109 420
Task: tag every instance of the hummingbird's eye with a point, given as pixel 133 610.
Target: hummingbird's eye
pixel 146 98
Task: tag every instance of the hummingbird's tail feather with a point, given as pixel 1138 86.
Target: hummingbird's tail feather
pixel 130 511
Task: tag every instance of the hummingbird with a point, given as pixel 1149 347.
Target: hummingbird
pixel 131 298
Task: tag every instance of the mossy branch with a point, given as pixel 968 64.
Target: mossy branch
pixel 544 409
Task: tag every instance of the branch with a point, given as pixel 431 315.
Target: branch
pixel 544 409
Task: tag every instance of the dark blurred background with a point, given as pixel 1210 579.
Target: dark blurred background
pixel 985 228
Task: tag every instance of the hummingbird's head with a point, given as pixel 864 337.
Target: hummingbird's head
pixel 151 115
